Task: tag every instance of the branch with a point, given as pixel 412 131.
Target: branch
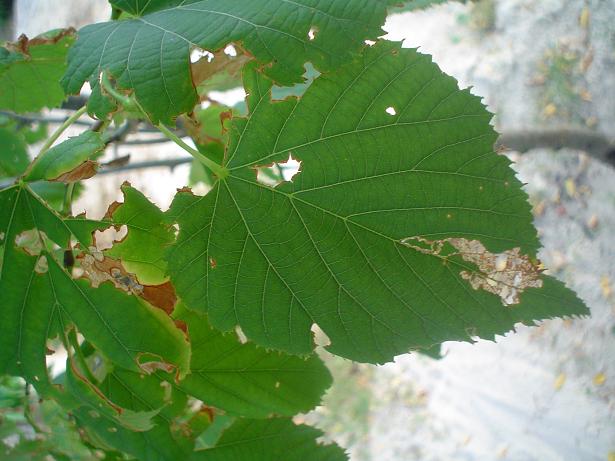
pixel 595 144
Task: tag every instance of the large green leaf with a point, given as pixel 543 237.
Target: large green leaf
pixel 30 71
pixel 245 380
pixel 40 298
pixel 150 54
pixel 403 229
pixel 270 440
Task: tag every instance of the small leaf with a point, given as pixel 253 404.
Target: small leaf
pixel 142 250
pixel 30 71
pixel 69 161
pixel 270 440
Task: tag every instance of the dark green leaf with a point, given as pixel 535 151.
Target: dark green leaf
pixel 151 54
pixel 39 296
pixel 245 380
pixel 270 440
pixel 392 235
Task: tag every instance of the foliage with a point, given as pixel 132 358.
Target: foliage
pixel 193 335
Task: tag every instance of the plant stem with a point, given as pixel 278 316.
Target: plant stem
pixel 67 206
pixel 72 339
pixel 121 98
pixel 61 129
pixel 220 171
pixel 54 137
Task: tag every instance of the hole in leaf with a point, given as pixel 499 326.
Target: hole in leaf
pixel 320 337
pixel 241 335
pixel 107 238
pixel 391 110
pixel 198 53
pixel 279 172
pixel 230 50
pixel 312 33
pixel 370 42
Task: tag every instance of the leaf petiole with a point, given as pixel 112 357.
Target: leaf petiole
pixel 54 137
pixel 220 171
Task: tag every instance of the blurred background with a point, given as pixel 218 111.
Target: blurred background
pixel 547 69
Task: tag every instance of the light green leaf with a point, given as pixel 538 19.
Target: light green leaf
pixel 70 160
pixel 142 251
pixel 150 54
pixel 270 440
pixel 14 156
pixel 403 229
pixel 245 380
pixel 30 71
pixel 39 296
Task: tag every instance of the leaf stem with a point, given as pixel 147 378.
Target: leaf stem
pixel 54 137
pixel 220 171
pixel 72 339
pixel 67 206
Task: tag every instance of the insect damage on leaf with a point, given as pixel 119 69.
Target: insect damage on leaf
pixel 278 172
pixel 505 274
pixel 99 269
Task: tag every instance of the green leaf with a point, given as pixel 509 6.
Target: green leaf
pixel 150 55
pixel 140 7
pixel 70 160
pixel 142 251
pixel 141 395
pixel 245 380
pixel 30 71
pixel 39 296
pixel 414 5
pixel 14 157
pixel 392 235
pixel 270 440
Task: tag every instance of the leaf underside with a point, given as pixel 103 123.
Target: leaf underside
pixel 151 54
pixel 391 151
